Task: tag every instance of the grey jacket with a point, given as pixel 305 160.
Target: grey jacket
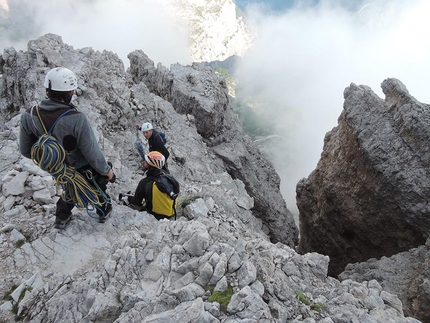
pixel 73 130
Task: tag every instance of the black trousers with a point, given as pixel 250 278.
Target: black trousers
pixel 64 208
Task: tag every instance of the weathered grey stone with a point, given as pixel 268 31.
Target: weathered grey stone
pixel 367 198
pixel 392 300
pixel 247 304
pixel 197 242
pixel 221 285
pixel 188 266
pixel 219 270
pixel 205 274
pixel 43 196
pixel 234 263
pixel 16 211
pixel 186 279
pixel 247 274
pixel 196 209
pixel 398 275
pixel 134 268
pixel 16 185
pixel 197 91
pixel 8 202
pixel 189 292
pixel 192 311
pixel 15 236
pixel 7 227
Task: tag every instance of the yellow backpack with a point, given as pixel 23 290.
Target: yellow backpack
pixel 165 190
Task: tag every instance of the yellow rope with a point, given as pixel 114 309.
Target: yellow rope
pixel 50 156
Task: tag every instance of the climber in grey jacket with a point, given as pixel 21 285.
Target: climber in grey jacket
pixel 73 130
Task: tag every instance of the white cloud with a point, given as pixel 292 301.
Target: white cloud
pixel 120 26
pixel 4 5
pixel 299 66
pixel 304 58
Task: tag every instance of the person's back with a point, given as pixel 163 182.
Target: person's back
pixel 163 196
pixel 72 130
pixel 148 182
pixel 142 200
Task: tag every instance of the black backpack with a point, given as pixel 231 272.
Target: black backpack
pixel 163 136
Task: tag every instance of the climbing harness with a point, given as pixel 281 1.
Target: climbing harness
pixel 49 154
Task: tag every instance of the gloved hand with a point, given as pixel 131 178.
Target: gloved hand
pixel 111 175
pixel 113 179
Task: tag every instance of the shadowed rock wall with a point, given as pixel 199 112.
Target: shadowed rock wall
pixel 368 196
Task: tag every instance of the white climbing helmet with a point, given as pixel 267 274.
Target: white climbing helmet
pixel 61 79
pixel 146 126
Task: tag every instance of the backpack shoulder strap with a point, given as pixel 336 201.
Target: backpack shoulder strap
pixel 162 135
pixel 43 124
pixel 62 115
pixel 40 118
pixel 32 119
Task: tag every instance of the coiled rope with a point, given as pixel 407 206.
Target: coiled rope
pixel 49 154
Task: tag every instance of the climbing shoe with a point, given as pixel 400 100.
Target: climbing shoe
pixel 136 207
pixel 123 198
pixel 61 224
pixel 105 216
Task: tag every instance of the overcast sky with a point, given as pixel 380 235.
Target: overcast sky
pixel 301 62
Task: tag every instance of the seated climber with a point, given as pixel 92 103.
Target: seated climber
pixel 157 192
pixel 156 141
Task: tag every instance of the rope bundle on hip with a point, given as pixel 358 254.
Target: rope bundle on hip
pixel 50 156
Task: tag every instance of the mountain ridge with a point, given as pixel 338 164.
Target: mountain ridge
pixel 136 269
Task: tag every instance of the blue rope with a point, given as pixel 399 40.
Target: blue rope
pixel 48 153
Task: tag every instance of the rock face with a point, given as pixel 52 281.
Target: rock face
pixel 136 269
pixel 195 90
pixel 368 196
pixel 405 274
pixel 108 88
pixel 217 28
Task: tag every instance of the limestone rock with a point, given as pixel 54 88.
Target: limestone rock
pixel 134 268
pixel 217 28
pixel 368 195
pixel 197 91
pixel 403 274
